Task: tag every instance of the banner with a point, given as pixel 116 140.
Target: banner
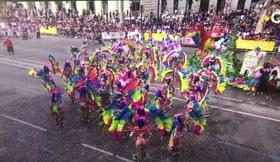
pixel 48 30
pixel 105 36
pixel 2 25
pixel 160 36
pixel 113 35
pixel 252 45
pixel 251 61
pixel 133 35
pixel 117 35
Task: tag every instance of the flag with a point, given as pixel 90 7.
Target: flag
pixel 196 39
pixel 198 34
pixel 206 41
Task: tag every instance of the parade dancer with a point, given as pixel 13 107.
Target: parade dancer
pixel 56 106
pixel 145 98
pixel 47 80
pixel 69 76
pixel 212 62
pixel 46 71
pixel 84 105
pixel 168 92
pixel 176 133
pixel 67 70
pixel 104 81
pixel 75 52
pixel 140 144
pixel 140 130
pixel 130 110
pixel 197 86
pixel 159 99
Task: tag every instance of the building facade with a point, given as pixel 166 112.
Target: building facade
pixel 102 7
pixel 181 6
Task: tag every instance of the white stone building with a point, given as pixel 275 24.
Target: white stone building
pixel 102 7
pixel 196 5
pixel 98 6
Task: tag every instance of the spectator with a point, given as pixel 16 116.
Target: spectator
pixel 14 30
pixel 38 34
pixel 87 25
pixel 9 45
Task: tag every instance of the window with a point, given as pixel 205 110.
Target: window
pixel 135 5
pixel 58 5
pixel 204 5
pixel 163 5
pixel 91 5
pixel 105 6
pixel 241 4
pixel 73 5
pixel 220 5
pixel 176 3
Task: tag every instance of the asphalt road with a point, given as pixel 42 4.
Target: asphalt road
pixel 239 128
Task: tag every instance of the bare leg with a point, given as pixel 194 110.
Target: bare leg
pixel 87 115
pixel 83 113
pixel 61 119
pixel 73 96
pixel 140 154
pixel 51 106
pixel 57 119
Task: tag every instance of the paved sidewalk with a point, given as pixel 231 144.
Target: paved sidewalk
pixel 239 94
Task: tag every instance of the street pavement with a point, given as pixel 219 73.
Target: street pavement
pixel 239 127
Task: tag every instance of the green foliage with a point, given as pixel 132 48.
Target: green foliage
pixel 231 56
pixel 194 61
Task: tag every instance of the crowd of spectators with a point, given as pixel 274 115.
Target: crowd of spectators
pixel 88 25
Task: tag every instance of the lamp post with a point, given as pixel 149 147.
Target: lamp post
pixel 130 15
pixel 121 12
pixel 157 13
pixel 141 14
